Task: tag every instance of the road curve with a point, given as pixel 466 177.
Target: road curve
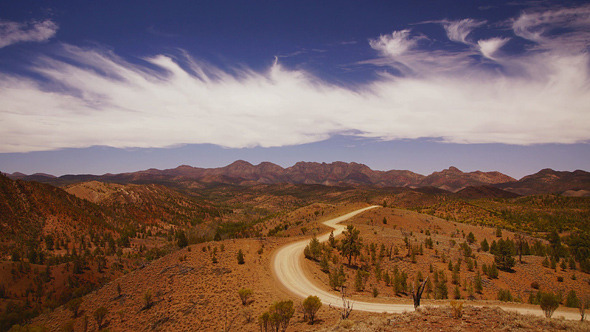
pixel 287 264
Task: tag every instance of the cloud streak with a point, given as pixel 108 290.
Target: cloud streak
pixel 93 97
pixel 14 32
pixel 459 30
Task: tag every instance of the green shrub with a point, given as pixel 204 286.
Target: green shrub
pixel 311 305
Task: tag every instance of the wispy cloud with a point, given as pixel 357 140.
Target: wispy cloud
pixel 15 32
pixel 93 97
pixel 556 27
pixel 488 47
pixel 459 30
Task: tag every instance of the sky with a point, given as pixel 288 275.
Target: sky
pixel 116 86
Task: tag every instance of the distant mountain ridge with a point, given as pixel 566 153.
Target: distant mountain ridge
pixel 335 174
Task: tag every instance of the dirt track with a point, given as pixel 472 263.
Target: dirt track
pixel 287 264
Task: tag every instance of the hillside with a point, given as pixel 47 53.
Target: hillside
pixel 548 181
pixel 197 287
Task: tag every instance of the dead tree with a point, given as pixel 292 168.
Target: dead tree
pixel 417 293
pixel 346 305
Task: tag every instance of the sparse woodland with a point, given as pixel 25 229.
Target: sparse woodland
pixel 57 248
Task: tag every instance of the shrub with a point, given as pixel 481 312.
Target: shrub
pixel 375 292
pixel 311 305
pixel 504 295
pixel 535 285
pixel 277 317
pixel 572 300
pixel 99 315
pixel 240 257
pixel 457 309
pixel 147 300
pixel 245 295
pixel 549 303
pixel 74 306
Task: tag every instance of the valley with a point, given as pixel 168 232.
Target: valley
pixel 159 251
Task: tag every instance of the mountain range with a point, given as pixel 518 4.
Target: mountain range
pixel 336 174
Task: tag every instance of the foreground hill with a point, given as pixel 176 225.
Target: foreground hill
pixel 197 287
pixel 150 203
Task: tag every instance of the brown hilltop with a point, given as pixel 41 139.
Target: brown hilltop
pixel 549 181
pixel 453 179
pixel 145 203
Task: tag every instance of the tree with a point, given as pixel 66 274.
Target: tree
pixel 245 294
pixel 478 285
pixel 351 244
pixel 549 303
pixel 498 232
pixel 359 280
pixel 313 250
pixel 584 304
pixel 337 278
pixel 99 315
pixel 331 241
pixel 572 300
pixel 182 240
pixel 311 305
pixel 503 256
pixel 417 293
pixel 470 238
pixel 240 257
pixel 279 315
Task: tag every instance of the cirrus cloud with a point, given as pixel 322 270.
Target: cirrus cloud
pixel 94 97
pixel 36 31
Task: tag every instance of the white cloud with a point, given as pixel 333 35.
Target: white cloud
pixel 396 44
pixel 459 30
pixel 14 32
pixel 489 47
pixel 97 98
pixel 540 26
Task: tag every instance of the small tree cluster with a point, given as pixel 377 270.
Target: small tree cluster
pixel 277 317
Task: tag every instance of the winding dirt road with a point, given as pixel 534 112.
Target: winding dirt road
pixel 287 264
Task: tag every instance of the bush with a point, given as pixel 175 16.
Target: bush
pixel 549 302
pixel 457 309
pixel 74 306
pixel 245 295
pixel 535 285
pixel 99 315
pixel 504 295
pixel 240 257
pixel 277 317
pixel 572 300
pixel 147 300
pixel 311 305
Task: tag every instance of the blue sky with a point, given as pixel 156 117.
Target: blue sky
pixel 113 86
